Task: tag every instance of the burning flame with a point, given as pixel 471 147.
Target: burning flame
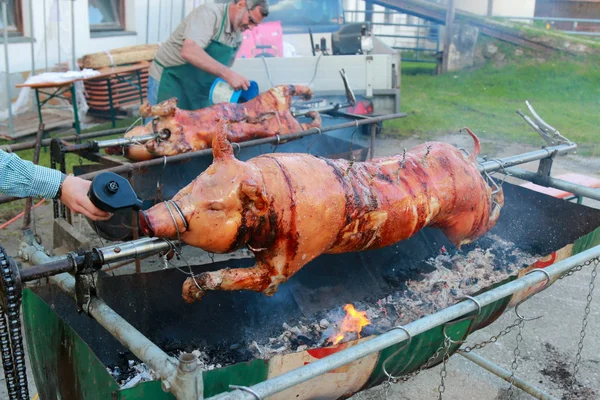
pixel 354 321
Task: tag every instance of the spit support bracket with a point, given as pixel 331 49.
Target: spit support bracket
pixel 544 169
pixel 87 282
pixel 550 134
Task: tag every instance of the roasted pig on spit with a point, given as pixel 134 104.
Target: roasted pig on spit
pixel 290 208
pixel 266 115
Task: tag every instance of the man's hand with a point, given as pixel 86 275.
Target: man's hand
pixel 236 81
pixel 75 196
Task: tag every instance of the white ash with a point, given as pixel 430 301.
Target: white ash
pixel 139 372
pixel 454 276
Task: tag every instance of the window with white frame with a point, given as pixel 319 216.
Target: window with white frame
pixel 106 15
pixel 14 18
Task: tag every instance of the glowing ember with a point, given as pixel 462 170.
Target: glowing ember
pixel 354 321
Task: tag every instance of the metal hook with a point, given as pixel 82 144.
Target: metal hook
pixel 383 366
pixel 546 284
pixel 474 300
pixel 471 317
pixel 246 389
pixel 278 143
pixel 314 141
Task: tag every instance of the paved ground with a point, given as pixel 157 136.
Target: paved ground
pixel 549 344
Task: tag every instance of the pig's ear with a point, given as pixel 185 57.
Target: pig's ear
pixel 222 149
pixel 254 196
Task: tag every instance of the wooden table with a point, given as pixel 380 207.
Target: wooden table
pixel 106 74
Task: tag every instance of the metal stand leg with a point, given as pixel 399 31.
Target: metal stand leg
pixel 75 111
pixel 110 102
pixel 139 77
pixel 40 116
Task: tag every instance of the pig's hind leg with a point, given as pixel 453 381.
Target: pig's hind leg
pixel 257 278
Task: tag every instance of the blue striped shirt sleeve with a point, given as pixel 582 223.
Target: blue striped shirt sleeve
pixel 21 178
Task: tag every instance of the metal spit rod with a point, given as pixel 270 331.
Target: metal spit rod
pixel 126 141
pixel 109 254
pixel 501 163
pixel 394 336
pixel 46 142
pixel 134 249
pixel 129 167
pixel 270 140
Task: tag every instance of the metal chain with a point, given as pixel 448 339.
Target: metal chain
pixel 493 339
pixel 584 322
pixel 515 363
pixel 444 372
pixel 12 346
pixel 580 267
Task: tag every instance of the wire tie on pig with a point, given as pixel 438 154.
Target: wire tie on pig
pixel 546 284
pixel 174 220
pixel 428 147
pixel 314 141
pixel 246 389
pixel 185 223
pixel 383 366
pixel 178 253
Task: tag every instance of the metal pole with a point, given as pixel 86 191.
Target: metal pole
pixel 490 8
pixel 8 88
pixel 506 375
pixel 500 164
pixel 159 18
pixel 448 38
pixel 73 53
pixel 182 10
pixel 32 33
pixel 171 18
pixel 58 24
pixel 45 37
pixel 554 183
pixel 148 22
pixel 46 142
pixel 319 367
pixel 373 133
pixel 36 159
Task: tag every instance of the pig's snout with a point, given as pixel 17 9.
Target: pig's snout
pixel 145 224
pixel 164 220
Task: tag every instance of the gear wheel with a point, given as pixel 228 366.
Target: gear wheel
pixel 11 334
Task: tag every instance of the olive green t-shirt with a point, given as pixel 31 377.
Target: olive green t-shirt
pixel 202 26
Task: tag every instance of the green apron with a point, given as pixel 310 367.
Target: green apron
pixel 192 85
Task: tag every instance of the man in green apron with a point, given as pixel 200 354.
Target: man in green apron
pixel 202 48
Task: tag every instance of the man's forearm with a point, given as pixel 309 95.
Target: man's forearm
pixel 22 178
pixel 199 58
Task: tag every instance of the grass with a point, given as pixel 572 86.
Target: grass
pixel 566 94
pixel 11 209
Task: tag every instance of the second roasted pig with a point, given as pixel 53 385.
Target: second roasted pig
pixel 290 208
pixel 266 115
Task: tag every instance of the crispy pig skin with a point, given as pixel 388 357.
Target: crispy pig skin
pixel 266 115
pixel 290 208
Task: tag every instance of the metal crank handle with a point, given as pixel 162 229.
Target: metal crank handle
pixel 111 192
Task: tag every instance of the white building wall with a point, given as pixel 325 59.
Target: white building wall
pixel 500 8
pixel 163 19
pixel 514 8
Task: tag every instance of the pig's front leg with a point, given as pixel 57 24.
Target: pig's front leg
pixel 258 278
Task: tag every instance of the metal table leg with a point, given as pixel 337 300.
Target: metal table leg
pixel 110 102
pixel 139 79
pixel 75 111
